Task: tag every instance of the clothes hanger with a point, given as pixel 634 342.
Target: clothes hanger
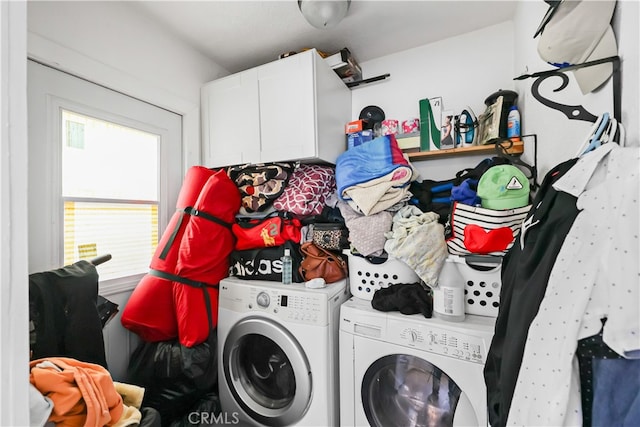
pixel 593 140
pixel 621 135
pixel 587 140
pixel 606 129
pixel 610 132
pixel 502 146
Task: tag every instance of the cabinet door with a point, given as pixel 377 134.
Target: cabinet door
pixel 231 120
pixel 287 111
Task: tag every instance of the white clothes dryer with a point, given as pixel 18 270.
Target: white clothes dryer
pixel 278 352
pixel 407 370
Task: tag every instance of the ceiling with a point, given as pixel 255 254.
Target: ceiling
pixel 241 34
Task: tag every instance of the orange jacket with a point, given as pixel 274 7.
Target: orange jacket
pixel 83 394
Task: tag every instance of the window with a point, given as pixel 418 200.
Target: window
pixel 105 171
pixel 110 193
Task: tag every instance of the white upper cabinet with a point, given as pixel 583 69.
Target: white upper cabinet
pixel 290 109
pixel 230 119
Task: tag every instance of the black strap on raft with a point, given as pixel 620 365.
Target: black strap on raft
pixel 189 282
pixel 193 212
pixel 180 279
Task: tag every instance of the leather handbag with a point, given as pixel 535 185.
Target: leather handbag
pixel 322 263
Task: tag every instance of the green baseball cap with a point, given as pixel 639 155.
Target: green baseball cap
pixel 503 187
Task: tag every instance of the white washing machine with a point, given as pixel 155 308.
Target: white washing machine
pixel 407 370
pixel 278 352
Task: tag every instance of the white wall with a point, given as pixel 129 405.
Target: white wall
pixel 14 290
pixel 560 138
pixel 113 44
pixel 463 70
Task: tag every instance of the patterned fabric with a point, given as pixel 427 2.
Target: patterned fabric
pixel 260 184
pixel 487 237
pixel 366 232
pixel 588 350
pixel 307 190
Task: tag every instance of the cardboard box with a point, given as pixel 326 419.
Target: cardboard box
pixel 430 123
pixel 357 138
pixel 447 131
pixel 345 65
pixel 409 142
pixel 411 125
pixel 390 127
pixel 354 126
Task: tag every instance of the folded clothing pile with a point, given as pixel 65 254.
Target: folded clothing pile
pixel 374 176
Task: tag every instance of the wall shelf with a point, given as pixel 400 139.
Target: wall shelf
pixel 514 148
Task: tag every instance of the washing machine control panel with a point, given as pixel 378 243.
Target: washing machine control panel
pixel 441 341
pixel 263 300
pixel 293 306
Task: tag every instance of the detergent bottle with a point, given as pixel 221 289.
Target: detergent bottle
pixel 513 124
pixel 448 296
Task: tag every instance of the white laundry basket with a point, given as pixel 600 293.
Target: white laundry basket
pixel 482 283
pixel 366 277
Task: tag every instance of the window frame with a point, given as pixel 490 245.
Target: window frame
pixel 64 115
pixel 58 106
pixel 54 91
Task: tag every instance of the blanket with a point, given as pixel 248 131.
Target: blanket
pixel 373 176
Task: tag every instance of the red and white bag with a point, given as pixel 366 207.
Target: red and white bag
pixel 273 230
pixel 307 190
pixel 477 230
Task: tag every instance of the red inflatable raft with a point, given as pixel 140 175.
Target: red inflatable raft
pixel 192 256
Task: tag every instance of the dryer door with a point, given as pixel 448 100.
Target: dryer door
pixel 267 372
pixel 405 390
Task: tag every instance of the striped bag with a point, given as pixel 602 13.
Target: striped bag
pixel 477 230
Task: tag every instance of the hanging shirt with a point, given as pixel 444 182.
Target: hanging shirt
pixel 595 275
pixel 525 273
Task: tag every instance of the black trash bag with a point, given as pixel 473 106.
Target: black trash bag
pixel 206 412
pixel 199 363
pixel 150 417
pixel 175 377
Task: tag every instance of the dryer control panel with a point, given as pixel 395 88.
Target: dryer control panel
pixel 431 338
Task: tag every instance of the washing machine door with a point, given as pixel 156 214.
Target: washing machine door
pixel 405 390
pixel 267 372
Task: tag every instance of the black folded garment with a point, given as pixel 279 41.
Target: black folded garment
pixel 410 298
